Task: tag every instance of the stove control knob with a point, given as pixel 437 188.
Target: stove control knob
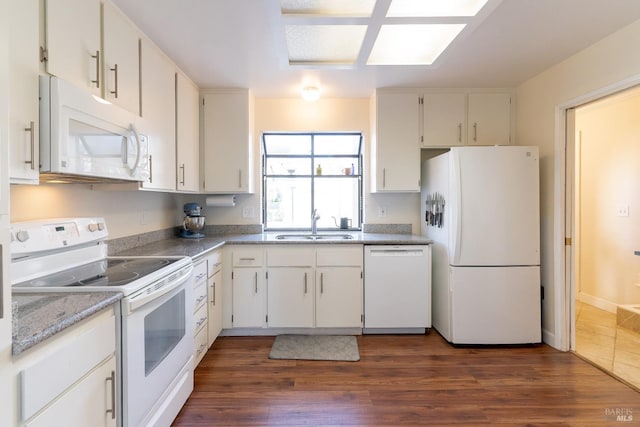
pixel 93 227
pixel 22 235
pixel 101 226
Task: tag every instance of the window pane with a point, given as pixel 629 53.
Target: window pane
pixel 336 144
pixel 288 166
pixel 287 144
pixel 336 198
pixel 288 203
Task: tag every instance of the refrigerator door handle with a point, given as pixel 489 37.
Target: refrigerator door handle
pixel 455 210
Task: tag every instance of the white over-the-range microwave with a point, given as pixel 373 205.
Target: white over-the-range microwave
pixel 85 138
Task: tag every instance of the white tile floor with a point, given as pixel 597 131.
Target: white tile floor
pixel 600 340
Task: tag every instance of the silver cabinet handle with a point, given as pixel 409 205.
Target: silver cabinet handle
pixel 459 132
pixel 150 168
pixel 305 283
pixel 475 131
pixel 182 169
pixel 115 71
pixel 239 178
pixel 247 259
pixel 32 140
pixel 200 322
pixel 200 298
pixel 97 58
pixel 112 411
pixel 321 283
pixel 201 349
pixel 213 289
pixel 256 280
pixel 384 177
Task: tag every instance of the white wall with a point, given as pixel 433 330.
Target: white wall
pixel 126 212
pixel 611 60
pixel 340 114
pixel 608 154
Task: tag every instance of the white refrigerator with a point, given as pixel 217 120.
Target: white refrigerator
pixel 481 207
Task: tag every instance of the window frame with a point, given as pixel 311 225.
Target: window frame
pixel 357 159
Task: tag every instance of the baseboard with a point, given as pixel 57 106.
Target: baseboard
pixel 600 303
pixel 549 338
pixel 249 332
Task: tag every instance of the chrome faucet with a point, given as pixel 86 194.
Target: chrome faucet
pixel 314 221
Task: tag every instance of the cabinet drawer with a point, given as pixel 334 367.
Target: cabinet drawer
pixel 214 262
pixel 296 256
pixel 339 256
pixel 199 271
pixel 199 319
pixel 200 295
pixel 200 345
pixel 247 257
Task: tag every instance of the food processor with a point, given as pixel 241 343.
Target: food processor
pixel 193 222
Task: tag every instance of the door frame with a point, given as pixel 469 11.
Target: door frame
pixel 564 217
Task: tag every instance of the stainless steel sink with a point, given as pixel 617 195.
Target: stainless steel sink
pixel 306 236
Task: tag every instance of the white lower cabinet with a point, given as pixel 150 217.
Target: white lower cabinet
pixel 249 298
pixel 214 282
pixel 290 297
pixel 200 314
pixel 70 379
pixel 339 297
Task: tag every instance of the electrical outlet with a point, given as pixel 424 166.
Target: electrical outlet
pixel 622 210
pixel 247 212
pixel 382 211
pixel 143 217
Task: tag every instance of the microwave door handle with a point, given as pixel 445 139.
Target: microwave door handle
pixel 125 150
pixel 139 148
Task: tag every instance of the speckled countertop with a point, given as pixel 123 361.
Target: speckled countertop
pixel 38 316
pixel 176 246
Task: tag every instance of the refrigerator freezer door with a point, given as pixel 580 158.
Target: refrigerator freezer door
pixel 495 206
pixel 495 305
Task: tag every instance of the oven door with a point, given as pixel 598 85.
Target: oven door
pixel 157 348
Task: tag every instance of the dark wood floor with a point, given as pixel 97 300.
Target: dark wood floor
pixel 404 380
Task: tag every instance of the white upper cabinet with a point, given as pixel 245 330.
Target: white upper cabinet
pixel 187 132
pixel 395 142
pixel 444 119
pixel 23 92
pixel 73 42
pixel 120 40
pixel 228 141
pixel 159 117
pixel 461 118
pixel 489 120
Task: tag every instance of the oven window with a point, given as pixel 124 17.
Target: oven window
pixel 163 329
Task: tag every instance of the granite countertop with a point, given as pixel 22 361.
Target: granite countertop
pixel 38 316
pixel 177 246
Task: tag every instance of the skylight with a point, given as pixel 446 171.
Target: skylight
pixel 328 44
pixel 442 8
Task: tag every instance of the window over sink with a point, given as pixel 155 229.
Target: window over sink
pixel 303 172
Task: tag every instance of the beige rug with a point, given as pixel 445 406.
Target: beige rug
pixel 315 347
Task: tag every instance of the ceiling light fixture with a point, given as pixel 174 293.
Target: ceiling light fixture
pixel 310 93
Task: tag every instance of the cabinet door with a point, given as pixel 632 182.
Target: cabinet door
pixel 290 297
pixel 397 143
pixel 227 140
pixel 90 402
pixel 158 111
pixel 73 42
pixel 444 120
pixel 121 59
pixel 489 119
pixel 188 144
pixel 23 92
pixel 339 297
pixel 215 306
pixel 249 298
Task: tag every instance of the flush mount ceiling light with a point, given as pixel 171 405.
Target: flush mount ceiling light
pixel 434 8
pixel 412 44
pixel 324 44
pixel 352 8
pixel 310 93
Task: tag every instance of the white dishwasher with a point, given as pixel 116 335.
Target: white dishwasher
pixel 397 288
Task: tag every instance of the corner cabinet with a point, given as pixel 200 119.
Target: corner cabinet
pixel 227 141
pixel 24 118
pixel 460 118
pixel 187 136
pixel 395 142
pixel 159 117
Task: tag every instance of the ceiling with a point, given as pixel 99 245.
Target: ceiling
pixel 241 43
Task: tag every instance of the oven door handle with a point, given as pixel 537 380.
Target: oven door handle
pixel 138 300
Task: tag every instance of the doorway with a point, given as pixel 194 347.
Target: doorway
pixel 603 212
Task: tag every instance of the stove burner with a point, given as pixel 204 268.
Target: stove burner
pixel 58 280
pixel 149 264
pixel 112 279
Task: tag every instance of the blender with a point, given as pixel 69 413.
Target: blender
pixel 193 221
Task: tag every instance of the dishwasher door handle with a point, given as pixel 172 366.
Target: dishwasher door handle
pixel 396 252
